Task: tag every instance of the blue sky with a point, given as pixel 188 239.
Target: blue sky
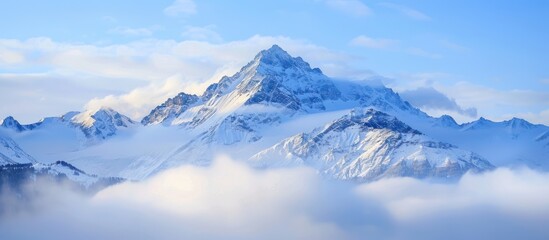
pixel 448 57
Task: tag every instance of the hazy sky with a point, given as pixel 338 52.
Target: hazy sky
pixel 465 58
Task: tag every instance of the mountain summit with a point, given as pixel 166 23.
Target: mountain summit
pixel 273 79
pixel 101 123
pixel 366 145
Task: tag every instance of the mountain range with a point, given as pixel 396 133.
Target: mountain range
pixel 277 111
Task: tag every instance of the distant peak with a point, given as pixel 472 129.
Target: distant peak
pixel 101 110
pixel 515 119
pixel 518 122
pixel 10 122
pixel 278 58
pixel 105 109
pixel 275 49
pixel 371 118
pixel 68 116
pixel 90 116
pixel 448 120
pixel 274 52
pixel 361 112
pixel 9 119
pixel 482 119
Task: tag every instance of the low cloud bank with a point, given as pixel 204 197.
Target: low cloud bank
pixel 232 201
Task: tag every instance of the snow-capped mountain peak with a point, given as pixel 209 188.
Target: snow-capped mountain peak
pixel 447 121
pixel 171 108
pixel 102 122
pixel 89 117
pixel 518 123
pixel 366 145
pixel 371 118
pixel 11 123
pixel 276 78
pixel 278 57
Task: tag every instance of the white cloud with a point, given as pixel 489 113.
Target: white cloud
pixel 206 33
pixel 65 76
pixel 140 101
pixel 34 96
pixel 407 11
pixel 181 7
pixel 113 71
pixel 429 99
pixel 231 201
pixel 353 7
pixel 365 41
pixel 503 204
pixel 10 57
pixel 492 103
pixel 498 104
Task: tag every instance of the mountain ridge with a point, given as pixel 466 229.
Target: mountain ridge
pixel 240 114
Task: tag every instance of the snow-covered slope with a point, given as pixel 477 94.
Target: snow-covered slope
pixel 368 144
pixel 171 108
pixel 52 137
pixel 11 153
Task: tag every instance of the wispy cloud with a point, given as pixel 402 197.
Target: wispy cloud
pixel 181 7
pixel 428 98
pixel 392 44
pixel 109 19
pixel 369 42
pixel 206 33
pixel 121 75
pixel 423 53
pixel 142 99
pixel 139 32
pixel 454 46
pixel 495 104
pixel 353 7
pixel 407 11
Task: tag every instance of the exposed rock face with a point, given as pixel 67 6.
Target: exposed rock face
pixel 366 145
pixel 170 109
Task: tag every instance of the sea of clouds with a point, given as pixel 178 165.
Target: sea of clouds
pixel 230 200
